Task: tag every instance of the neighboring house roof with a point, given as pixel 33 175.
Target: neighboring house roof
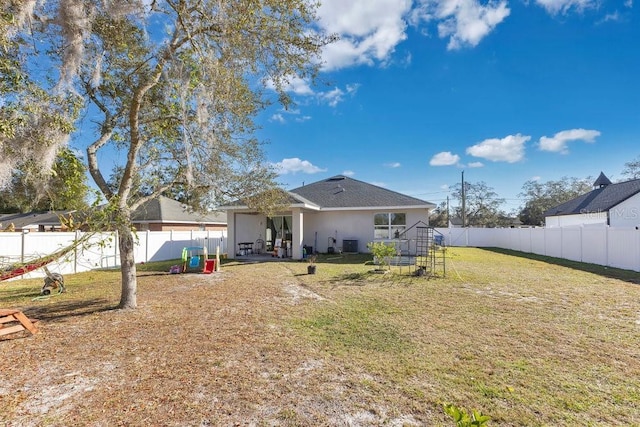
pixel 602 181
pixel 32 219
pixel 164 209
pixel 455 220
pixel 601 199
pixel 343 192
pixel 160 210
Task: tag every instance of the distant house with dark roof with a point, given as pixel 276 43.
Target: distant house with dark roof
pixel 164 214
pixel 33 221
pixel 160 214
pixel 617 205
pixel 335 214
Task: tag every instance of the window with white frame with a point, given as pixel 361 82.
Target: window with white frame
pixel 389 225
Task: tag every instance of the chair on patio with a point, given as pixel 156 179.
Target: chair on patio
pixel 259 247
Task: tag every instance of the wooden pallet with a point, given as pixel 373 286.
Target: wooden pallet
pixel 12 321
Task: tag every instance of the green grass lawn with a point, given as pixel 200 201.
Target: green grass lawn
pixel 525 340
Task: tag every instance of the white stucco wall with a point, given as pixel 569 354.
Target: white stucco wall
pixel 248 228
pixel 348 225
pixel 595 218
pixel 627 213
pixel 318 226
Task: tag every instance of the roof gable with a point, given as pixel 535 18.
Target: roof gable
pixel 343 192
pixel 600 199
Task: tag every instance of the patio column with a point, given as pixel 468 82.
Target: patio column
pixel 297 235
pixel 231 234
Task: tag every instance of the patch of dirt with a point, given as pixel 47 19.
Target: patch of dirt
pixel 200 350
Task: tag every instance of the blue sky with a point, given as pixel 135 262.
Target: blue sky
pixel 417 91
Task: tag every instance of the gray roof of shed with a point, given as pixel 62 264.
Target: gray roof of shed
pixel 343 192
pixel 598 200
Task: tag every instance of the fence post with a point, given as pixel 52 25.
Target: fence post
pixel 606 245
pixel 581 243
pixel 24 232
pixel 146 248
pixel 75 252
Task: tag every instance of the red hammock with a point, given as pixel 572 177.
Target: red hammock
pixel 19 270
pixel 23 269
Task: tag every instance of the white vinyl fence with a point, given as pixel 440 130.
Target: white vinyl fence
pixel 609 246
pixel 101 250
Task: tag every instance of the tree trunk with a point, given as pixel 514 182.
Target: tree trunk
pixel 128 298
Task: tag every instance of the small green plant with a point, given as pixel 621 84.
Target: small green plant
pixel 382 252
pixel 462 419
pixel 311 259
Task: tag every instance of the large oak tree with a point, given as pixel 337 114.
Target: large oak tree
pixel 170 90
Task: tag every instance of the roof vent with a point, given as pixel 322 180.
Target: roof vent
pixel 336 178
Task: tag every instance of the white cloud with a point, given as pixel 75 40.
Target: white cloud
pixel 299 86
pixel 628 3
pixel 464 22
pixel 352 89
pixel 302 119
pixel 294 85
pixel 369 30
pixel 509 149
pixel 379 184
pixel 277 118
pixel 536 178
pixel 348 173
pixel 336 95
pixel 393 165
pixel 558 142
pixel 611 17
pixel 444 158
pixel 294 165
pixel 332 97
pixel 563 6
pixel 476 165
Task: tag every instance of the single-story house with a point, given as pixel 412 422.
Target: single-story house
pixel 160 214
pixel 339 214
pixel 164 214
pixel 33 221
pixel 617 205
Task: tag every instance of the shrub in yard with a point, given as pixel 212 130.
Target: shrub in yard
pixel 382 252
pixel 462 419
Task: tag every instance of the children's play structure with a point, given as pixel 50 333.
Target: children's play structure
pixel 196 259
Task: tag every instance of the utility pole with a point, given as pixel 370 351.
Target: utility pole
pixel 448 217
pixel 464 212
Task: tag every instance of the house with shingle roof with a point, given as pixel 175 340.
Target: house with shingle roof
pixel 338 214
pixel 160 214
pixel 33 221
pixel 164 214
pixel 614 204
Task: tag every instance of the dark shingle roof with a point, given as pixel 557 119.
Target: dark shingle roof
pixel 344 192
pixel 599 200
pixel 164 209
pixel 602 181
pixel 22 220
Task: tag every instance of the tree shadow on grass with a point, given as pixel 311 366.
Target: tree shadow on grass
pixel 610 272
pixel 70 309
